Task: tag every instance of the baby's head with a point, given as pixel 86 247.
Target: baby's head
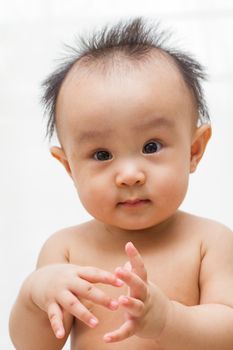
pixel 132 122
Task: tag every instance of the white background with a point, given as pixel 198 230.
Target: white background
pixel 36 196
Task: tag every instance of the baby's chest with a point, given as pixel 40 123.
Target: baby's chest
pixel 176 273
pixel 178 278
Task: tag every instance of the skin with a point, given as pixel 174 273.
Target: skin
pixel 103 289
pixel 141 101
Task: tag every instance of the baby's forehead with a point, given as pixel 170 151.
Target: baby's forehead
pixel 93 90
pixel 116 51
pixel 118 70
pixel 120 65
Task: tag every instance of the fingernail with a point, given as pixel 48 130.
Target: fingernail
pixel 59 333
pixel 113 305
pixel 124 299
pixel 107 338
pixel 93 322
pixel 119 270
pixel 129 245
pixel 119 282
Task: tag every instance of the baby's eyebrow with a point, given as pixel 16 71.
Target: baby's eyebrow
pixel 86 135
pixel 155 122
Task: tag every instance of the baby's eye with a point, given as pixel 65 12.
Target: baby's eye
pixel 152 147
pixel 102 155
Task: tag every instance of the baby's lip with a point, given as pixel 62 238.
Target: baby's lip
pixel 135 201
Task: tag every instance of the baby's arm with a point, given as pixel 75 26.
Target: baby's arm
pixel 207 326
pixel 48 299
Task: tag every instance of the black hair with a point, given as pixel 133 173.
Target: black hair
pixel 135 39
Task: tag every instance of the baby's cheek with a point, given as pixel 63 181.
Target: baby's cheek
pixel 174 187
pixel 94 199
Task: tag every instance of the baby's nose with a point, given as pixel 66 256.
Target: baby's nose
pixel 130 176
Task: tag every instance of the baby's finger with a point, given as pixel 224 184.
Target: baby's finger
pixel 136 261
pixel 128 266
pixel 96 275
pixel 134 307
pixel 88 291
pixel 56 317
pixel 125 331
pixel 71 303
pixel 138 288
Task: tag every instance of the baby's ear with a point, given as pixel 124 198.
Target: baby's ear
pixel 59 154
pixel 199 142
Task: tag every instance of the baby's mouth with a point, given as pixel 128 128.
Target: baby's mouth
pixel 133 203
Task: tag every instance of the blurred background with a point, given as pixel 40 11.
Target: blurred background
pixel 36 196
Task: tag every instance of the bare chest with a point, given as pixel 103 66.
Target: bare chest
pixel 174 271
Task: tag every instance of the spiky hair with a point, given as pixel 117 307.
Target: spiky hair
pixel 135 39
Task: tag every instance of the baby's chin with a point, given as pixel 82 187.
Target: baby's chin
pixel 142 223
pixel 132 226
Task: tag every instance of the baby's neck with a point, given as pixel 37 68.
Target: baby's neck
pixel 122 236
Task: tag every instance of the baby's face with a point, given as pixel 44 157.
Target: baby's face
pixel 127 139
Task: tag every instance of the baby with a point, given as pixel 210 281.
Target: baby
pixel 132 123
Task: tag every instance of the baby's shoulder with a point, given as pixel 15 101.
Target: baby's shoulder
pixel 58 247
pixel 216 237
pixel 215 273
pixel 68 234
pixel 210 232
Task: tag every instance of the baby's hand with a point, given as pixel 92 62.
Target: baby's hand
pixel 146 306
pixel 57 288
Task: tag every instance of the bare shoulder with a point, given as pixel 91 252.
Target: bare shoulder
pixel 209 231
pixel 214 234
pixel 216 270
pixel 218 236
pixel 59 245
